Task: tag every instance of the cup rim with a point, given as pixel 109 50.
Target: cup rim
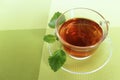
pixel 81 47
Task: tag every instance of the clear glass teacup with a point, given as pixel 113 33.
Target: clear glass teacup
pixel 82 32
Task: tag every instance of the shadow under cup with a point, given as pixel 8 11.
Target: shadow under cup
pixel 82 31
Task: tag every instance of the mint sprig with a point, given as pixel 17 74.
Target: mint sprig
pixel 57 60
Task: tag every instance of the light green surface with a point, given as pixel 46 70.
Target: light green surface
pixel 110 72
pixel 20 54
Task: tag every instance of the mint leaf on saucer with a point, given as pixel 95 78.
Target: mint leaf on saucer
pixel 57 60
pixel 53 20
pixel 49 38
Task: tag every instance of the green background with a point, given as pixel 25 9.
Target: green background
pixel 22 27
pixel 20 53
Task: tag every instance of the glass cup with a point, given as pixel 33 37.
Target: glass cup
pixel 82 31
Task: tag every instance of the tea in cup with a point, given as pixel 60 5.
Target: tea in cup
pixel 82 32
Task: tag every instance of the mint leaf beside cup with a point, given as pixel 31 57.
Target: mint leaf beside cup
pixel 57 59
pixel 49 38
pixel 52 22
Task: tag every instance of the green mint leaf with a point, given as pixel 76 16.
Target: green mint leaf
pixel 49 38
pixel 57 60
pixel 54 19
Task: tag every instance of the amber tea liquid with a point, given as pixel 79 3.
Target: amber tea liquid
pixel 80 32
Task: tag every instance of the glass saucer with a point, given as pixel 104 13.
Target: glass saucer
pixel 86 66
